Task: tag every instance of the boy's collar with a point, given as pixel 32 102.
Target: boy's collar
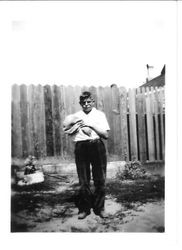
pixel 93 110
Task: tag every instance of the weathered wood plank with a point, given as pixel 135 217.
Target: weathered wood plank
pixel 155 125
pixel 69 96
pixel 77 91
pixel 31 118
pixel 16 133
pixel 141 110
pixel 56 119
pixel 123 118
pixel 104 103
pixel 37 121
pixel 156 112
pixel 100 102
pixel 162 100
pixel 48 120
pixel 62 108
pixel 150 127
pixel 24 119
pixel 132 119
pixel 116 119
pixel 43 125
pixel 107 104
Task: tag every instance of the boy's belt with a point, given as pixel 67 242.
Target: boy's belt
pixel 91 140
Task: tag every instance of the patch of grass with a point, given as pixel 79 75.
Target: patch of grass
pixel 30 201
pixel 136 190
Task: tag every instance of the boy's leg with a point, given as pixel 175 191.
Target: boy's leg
pixel 99 162
pixel 84 199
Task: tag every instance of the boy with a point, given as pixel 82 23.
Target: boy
pixel 91 126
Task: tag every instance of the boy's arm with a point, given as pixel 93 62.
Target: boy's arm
pixel 100 131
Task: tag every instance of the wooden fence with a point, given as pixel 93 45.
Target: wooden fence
pixel 136 118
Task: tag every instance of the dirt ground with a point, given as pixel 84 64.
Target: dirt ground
pixel 132 206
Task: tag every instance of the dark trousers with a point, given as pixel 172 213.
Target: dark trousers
pixel 91 153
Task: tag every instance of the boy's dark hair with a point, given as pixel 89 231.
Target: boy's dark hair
pixel 86 95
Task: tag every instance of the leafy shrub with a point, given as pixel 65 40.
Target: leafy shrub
pixel 133 170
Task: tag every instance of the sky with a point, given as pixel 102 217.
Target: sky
pixel 88 43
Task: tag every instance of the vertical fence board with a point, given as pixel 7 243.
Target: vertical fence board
pixel 161 101
pixel 77 91
pixel 116 119
pixel 111 124
pixel 38 122
pixel 153 100
pixel 16 123
pixel 123 118
pixel 62 109
pixel 73 103
pixel 30 118
pixel 56 119
pixel 43 125
pixel 156 112
pixel 150 127
pixel 69 110
pixel 103 103
pixel 108 112
pixel 48 120
pixel 100 102
pixel 141 110
pixel 33 132
pixel 24 119
pixel 132 118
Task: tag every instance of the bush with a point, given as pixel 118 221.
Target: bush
pixel 133 170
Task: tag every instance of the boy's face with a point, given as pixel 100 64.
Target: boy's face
pixel 87 105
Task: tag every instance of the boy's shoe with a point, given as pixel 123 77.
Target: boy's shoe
pixel 82 215
pixel 102 214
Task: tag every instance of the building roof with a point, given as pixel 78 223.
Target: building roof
pixel 158 81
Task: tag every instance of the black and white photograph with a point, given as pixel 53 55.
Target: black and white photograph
pixel 88 159
pixel 92 95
